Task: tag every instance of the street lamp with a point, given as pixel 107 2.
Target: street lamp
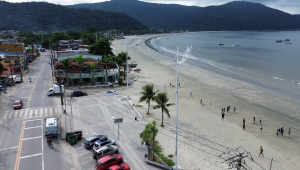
pixel 20 66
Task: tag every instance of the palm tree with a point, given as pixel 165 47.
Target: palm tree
pixel 119 60
pixel 162 103
pixel 122 56
pixel 92 66
pixel 149 134
pixel 105 60
pixel 147 94
pixel 66 64
pixel 80 61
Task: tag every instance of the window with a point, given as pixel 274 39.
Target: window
pixel 16 46
pixel 6 61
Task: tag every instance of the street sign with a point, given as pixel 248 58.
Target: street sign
pixel 118 120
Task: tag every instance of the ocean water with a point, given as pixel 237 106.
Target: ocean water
pixel 253 57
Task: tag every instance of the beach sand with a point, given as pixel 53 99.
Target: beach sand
pixel 203 136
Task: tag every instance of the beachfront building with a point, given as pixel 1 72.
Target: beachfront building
pixel 71 75
pixel 13 63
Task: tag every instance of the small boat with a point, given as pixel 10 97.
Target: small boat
pixel 221 44
pixel 279 41
pixel 237 45
pixel 286 40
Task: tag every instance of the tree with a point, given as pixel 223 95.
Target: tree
pixel 105 60
pixel 122 57
pixel 80 61
pixel 1 68
pixel 101 47
pixel 92 66
pixel 149 134
pixel 66 64
pixel 162 103
pixel 147 94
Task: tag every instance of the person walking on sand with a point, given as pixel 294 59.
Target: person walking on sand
pixel 277 132
pixel 191 94
pixel 254 120
pixel 282 131
pixel 289 131
pixel 179 84
pixel 234 108
pixel 201 101
pixel 261 152
pixel 261 127
pixel 135 118
pixel 165 87
pixel 244 122
pixel 260 120
pixel 170 84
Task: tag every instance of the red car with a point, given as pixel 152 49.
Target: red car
pixel 18 104
pixel 119 167
pixel 108 161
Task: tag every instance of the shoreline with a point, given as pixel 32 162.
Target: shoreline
pixel 204 121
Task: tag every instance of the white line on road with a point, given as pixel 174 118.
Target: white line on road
pixel 56 110
pixel 9 148
pixel 30 155
pixel 5 115
pixel 41 112
pixel 31 111
pixel 46 111
pixel 87 161
pixel 26 112
pixel 16 114
pixel 35 114
pixel 33 127
pixel 21 112
pixel 50 111
pixel 32 120
pixel 32 138
pixel 3 134
pixel 11 113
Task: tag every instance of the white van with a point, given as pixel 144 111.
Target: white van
pixel 52 128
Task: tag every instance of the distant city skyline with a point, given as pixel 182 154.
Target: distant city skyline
pixel 288 6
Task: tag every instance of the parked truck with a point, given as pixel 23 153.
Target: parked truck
pixel 55 90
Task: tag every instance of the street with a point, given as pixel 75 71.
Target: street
pixel 22 142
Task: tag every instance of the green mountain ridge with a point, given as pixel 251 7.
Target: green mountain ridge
pixel 42 16
pixel 236 15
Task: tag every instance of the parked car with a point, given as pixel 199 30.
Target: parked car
pixel 89 142
pixel 18 80
pixel 119 167
pixel 79 93
pixel 18 104
pixel 108 161
pixel 105 150
pixel 111 92
pixel 103 142
pixel 137 69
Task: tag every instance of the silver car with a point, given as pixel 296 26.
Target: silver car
pixel 111 92
pixel 105 150
pixel 98 144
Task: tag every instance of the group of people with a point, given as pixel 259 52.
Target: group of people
pixel 280 131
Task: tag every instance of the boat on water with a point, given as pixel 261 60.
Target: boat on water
pixel 286 40
pixel 279 41
pixel 221 44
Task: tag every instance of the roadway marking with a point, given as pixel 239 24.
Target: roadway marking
pixel 41 112
pixel 3 134
pixel 50 111
pixel 20 147
pixel 8 148
pixel 36 111
pixel 32 120
pixel 46 111
pixel 33 127
pixel 32 138
pixel 30 155
pixel 26 112
pixel 31 113
pixel 16 114
pixel 56 110
pixel 21 113
pixel 11 113
pixel 5 115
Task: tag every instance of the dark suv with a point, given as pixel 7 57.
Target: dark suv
pixel 79 93
pixel 89 142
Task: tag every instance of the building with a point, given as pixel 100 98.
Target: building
pixel 71 75
pixel 12 47
pixel 13 63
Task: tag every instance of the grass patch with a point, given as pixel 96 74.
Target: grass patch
pixel 138 105
pixel 167 160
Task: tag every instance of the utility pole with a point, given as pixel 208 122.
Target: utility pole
pixel 20 67
pixel 12 80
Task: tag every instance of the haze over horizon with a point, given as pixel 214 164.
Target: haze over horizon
pixel 290 6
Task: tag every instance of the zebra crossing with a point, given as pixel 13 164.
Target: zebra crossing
pixel 30 113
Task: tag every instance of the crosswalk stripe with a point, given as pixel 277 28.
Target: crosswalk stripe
pixel 11 113
pixel 51 111
pixel 5 115
pixel 21 113
pixel 56 110
pixel 36 111
pixel 31 111
pixel 26 112
pixel 41 112
pixel 16 113
pixel 46 109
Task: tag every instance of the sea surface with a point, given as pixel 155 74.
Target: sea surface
pixel 253 57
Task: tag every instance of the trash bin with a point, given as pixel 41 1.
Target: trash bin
pixel 78 135
pixel 72 139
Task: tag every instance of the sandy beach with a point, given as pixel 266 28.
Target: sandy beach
pixel 203 136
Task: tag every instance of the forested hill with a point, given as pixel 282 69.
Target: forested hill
pixel 237 15
pixel 44 16
pixel 151 14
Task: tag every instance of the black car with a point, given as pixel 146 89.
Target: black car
pixel 89 142
pixel 79 93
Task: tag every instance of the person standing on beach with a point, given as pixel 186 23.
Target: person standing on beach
pixel 254 120
pixel 277 132
pixel 261 152
pixel 170 84
pixel 165 87
pixel 201 101
pixel 234 108
pixel 289 131
pixel 223 114
pixel 244 122
pixel 282 131
pixel 260 120
pixel 261 127
pixel 179 84
pixel 191 94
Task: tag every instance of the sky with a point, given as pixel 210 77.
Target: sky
pixel 288 6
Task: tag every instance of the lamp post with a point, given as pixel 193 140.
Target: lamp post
pixel 127 69
pixel 20 66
